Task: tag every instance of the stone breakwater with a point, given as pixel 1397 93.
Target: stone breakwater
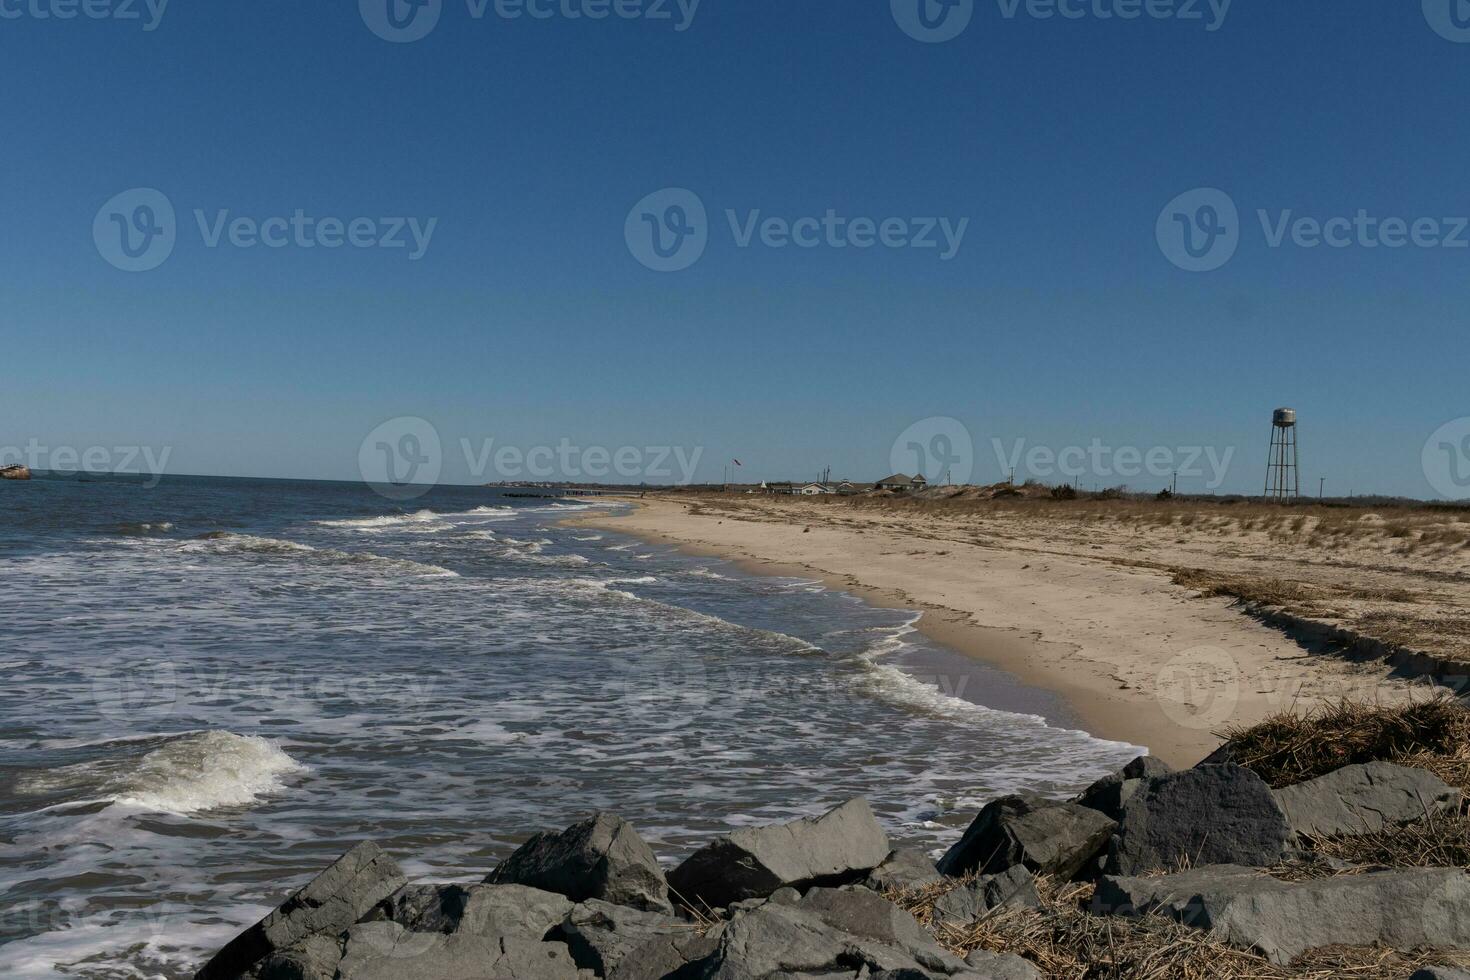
pixel 820 895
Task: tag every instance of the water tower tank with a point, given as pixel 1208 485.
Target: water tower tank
pixel 1284 417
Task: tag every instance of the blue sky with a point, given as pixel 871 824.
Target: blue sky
pixel 1059 321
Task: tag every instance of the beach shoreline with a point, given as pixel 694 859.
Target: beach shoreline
pixel 1133 656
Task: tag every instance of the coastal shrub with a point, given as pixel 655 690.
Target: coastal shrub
pixel 1293 747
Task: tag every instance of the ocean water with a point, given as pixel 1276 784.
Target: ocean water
pixel 214 687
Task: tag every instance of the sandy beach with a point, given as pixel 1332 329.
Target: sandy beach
pixel 1084 611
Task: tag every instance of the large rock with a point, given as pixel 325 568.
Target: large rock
pixel 1049 838
pixel 16 472
pixel 965 903
pixel 313 958
pixel 602 935
pixel 1207 815
pixel 1364 799
pixel 602 857
pixel 840 846
pixel 1109 793
pixel 844 932
pixel 904 869
pixel 329 903
pixel 1440 973
pixel 1001 966
pixel 1401 909
pixel 681 956
pixel 483 910
pixel 386 951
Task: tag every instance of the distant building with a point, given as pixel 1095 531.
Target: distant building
pixel 903 484
pixel 815 490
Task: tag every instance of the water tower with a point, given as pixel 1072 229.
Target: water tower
pixel 1282 480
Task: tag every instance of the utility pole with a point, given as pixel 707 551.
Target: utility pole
pixel 1321 486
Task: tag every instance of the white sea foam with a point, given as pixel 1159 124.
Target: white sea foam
pixel 205 772
pixel 420 517
pixel 231 544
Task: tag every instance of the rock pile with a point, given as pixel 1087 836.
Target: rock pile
pixel 813 896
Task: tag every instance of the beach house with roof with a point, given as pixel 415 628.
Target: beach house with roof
pixel 903 484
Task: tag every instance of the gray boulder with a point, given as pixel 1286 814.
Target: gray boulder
pixel 602 857
pixel 905 868
pixel 839 847
pixel 1401 909
pixel 484 910
pixel 966 903
pixel 845 932
pixel 326 906
pixel 1047 837
pixel 1109 793
pixel 313 958
pixel 680 956
pixel 1001 966
pixel 1206 815
pixel 1440 973
pixel 1364 799
pixel 602 935
pixel 386 951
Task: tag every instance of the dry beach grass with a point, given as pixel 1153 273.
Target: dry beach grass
pixel 1067 942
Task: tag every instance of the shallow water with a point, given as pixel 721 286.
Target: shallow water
pixel 214 687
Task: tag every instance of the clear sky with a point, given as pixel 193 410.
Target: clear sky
pixel 1059 319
